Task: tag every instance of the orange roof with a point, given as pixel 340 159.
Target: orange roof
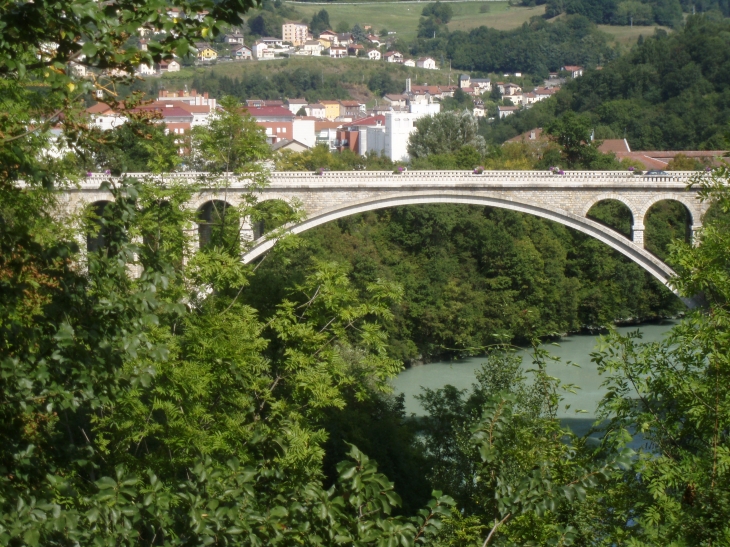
pixel 325 124
pixel 100 108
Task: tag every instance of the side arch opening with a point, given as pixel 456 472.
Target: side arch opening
pixel 613 214
pixel 218 224
pixel 97 231
pixel 665 221
pixel 269 215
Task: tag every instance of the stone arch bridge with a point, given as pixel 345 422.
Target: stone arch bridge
pixel 563 198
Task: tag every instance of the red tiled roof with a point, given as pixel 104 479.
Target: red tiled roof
pixel 262 111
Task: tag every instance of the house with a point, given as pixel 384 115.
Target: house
pixel 505 111
pixel 235 38
pixel 353 136
pixel 542 93
pixel 189 97
pixel 304 130
pixel 330 36
pixel 426 62
pixel 167 66
pixel 261 52
pixel 393 57
pixel 326 133
pixel 573 70
pixel 258 103
pixel 464 81
pixel 409 62
pixel 374 55
pixel 239 52
pixel 345 39
pixel 201 112
pixel 338 52
pixel 277 121
pixel 102 116
pixel 295 33
pixel 313 47
pixel 205 52
pixel 479 110
pixel 355 49
pixel 394 99
pixel 295 105
pixel 286 144
pixel 351 109
pixel 316 110
pixel 509 89
pixel 481 85
pixel 143 68
pixel 331 109
pixel 529 99
pixel 272 43
pixel 375 40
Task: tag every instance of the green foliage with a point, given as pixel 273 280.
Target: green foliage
pixel 382 83
pixel 536 48
pixel 668 93
pixel 446 132
pixel 266 24
pixel 441 13
pixel 674 395
pixel 518 477
pixel 320 22
pixel 474 276
pixel 573 133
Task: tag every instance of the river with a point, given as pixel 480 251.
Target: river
pixel 576 349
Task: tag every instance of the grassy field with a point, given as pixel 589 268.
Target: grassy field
pixel 403 18
pixel 628 36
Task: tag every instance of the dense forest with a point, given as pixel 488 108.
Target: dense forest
pixel 536 47
pixel 671 92
pixel 474 276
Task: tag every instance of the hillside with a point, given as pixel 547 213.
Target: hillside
pixel 672 92
pixel 314 78
pixel 403 17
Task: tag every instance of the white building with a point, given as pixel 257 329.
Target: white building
pixel 393 57
pixel 313 47
pixel 303 131
pixel 426 62
pixel 261 51
pixel 146 70
pixel 505 111
pixel 391 140
pixel 338 52
pixel 103 117
pixel 295 105
pixel 374 55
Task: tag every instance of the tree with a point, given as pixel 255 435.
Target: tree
pixel 573 133
pixel 674 395
pixel 121 423
pixel 343 27
pixel 320 22
pixel 358 33
pixel 444 133
pixel 266 24
pixel 382 83
pixel 441 13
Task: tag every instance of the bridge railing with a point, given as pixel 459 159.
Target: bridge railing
pixel 94 180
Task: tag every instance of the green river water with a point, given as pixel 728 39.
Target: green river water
pixel 576 349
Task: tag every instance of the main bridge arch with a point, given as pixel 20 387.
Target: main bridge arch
pixel 610 237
